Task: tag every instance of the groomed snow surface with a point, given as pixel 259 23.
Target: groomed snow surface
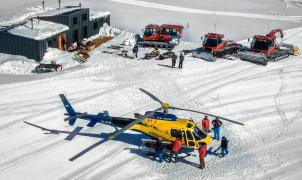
pixel 267 99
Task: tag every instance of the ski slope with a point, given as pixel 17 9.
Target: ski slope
pixel 267 99
pixel 236 19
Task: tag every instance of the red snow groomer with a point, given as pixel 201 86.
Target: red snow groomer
pixel 164 36
pixel 215 46
pixel 266 48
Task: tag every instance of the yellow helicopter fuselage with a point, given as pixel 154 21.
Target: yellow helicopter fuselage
pixel 169 130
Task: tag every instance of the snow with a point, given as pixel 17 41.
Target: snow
pixel 41 29
pixel 267 99
pixel 57 11
pixel 98 14
pixel 215 12
pixel 19 65
pixel 30 13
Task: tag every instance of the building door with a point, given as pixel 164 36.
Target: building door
pixel 62 42
pixel 85 30
pixel 75 36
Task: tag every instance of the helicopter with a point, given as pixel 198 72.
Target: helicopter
pixel 155 124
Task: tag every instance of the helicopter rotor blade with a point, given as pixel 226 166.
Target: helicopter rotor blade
pixel 76 116
pixel 200 112
pixel 151 95
pixel 116 133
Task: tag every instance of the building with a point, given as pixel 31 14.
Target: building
pixel 57 28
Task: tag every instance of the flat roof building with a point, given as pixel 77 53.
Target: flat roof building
pixel 57 28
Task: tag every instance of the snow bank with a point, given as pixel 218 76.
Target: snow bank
pixel 60 57
pixel 107 30
pixel 18 65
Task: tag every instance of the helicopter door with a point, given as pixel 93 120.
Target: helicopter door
pixel 190 139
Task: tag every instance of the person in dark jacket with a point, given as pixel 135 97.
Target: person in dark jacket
pixel 216 123
pixel 181 60
pixel 159 149
pixel 173 58
pixel 176 146
pixel 135 50
pixel 223 146
pixel 202 154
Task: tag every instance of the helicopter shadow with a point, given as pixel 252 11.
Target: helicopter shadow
pixel 147 155
pixel 132 139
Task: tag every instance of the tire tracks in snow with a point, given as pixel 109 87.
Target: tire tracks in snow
pixel 23 159
pixel 207 12
pixel 277 101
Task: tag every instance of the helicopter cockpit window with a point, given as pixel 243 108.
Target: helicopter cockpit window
pixel 199 134
pixel 175 133
pixel 197 137
pixel 189 135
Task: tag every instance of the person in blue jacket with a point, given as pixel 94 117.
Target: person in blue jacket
pixel 159 149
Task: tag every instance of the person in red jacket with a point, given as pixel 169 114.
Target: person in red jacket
pixel 202 154
pixel 205 124
pixel 176 146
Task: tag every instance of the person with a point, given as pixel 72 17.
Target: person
pixel 181 60
pixel 216 123
pixel 176 146
pixel 173 57
pixel 205 124
pixel 158 149
pixel 63 43
pixel 223 146
pixel 202 154
pixel 135 50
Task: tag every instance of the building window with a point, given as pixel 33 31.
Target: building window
pixel 75 36
pixel 85 32
pixel 75 20
pixel 49 43
pixel 95 25
pixel 84 17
